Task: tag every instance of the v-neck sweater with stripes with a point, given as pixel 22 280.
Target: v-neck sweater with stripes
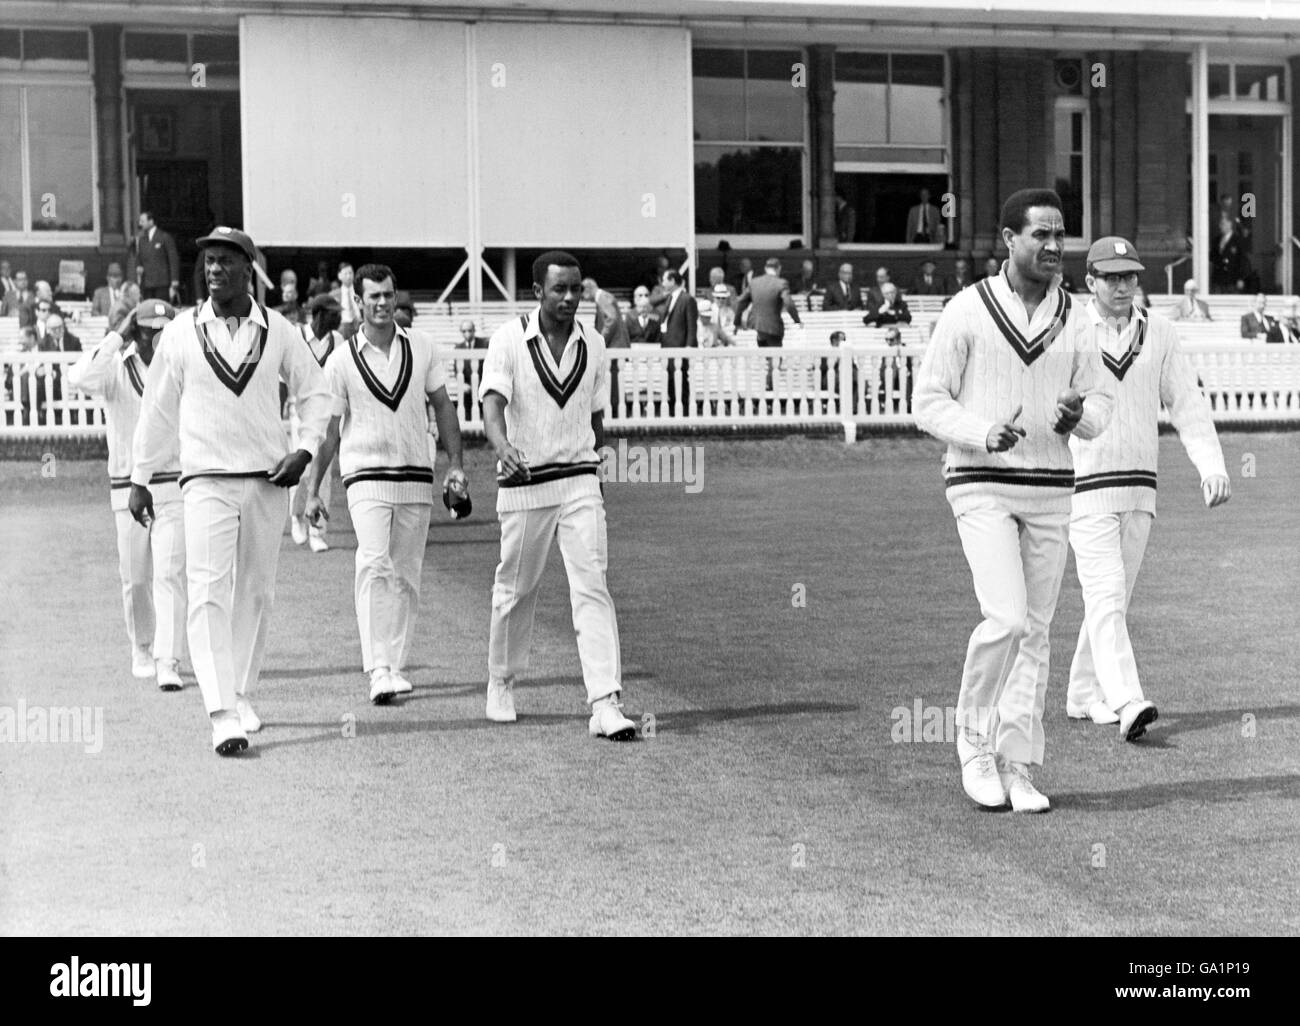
pixel 117 376
pixel 227 415
pixel 986 358
pixel 384 434
pixel 1146 366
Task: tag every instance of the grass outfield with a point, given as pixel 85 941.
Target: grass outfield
pixel 770 798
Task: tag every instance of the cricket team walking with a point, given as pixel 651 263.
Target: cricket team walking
pixel 1049 407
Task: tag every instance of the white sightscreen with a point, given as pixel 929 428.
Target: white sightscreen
pixel 584 130
pixel 354 131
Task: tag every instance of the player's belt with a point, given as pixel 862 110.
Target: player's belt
pixel 544 472
pixel 1116 479
pixel 1045 477
pixel 423 475
pixel 125 482
pixel 224 473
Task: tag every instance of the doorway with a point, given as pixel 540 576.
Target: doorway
pixel 1246 180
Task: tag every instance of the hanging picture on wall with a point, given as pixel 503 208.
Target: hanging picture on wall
pixel 157 128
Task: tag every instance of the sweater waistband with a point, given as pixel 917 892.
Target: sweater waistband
pixel 544 472
pixel 1116 479
pixel 1031 477
pixel 422 475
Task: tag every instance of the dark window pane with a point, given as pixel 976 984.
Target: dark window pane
pixel 1218 80
pixel 776 65
pixel 881 201
pixel 861 67
pixel 917 69
pixel 718 63
pixel 55 46
pixel 217 51
pixel 775 109
pixel 1076 132
pixel 719 108
pixel 1259 83
pixel 749 191
pixel 11 47
pixel 157 47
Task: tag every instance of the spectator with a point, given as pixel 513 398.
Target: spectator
pixel 992 268
pixel 844 294
pixel 846 220
pixel 319 283
pixel 1228 208
pixel 608 320
pixel 290 308
pixel 27 373
pixel 126 302
pixel 656 274
pixel 403 309
pixel 1258 322
pixel 928 282
pixel 745 276
pixel 469 339
pixel 875 294
pixel 642 322
pixel 717 276
pixel 1189 308
pixel 41 306
pixel 1290 324
pixel 346 297
pixel 7 283
pixel 16 298
pixel 724 316
pixel 924 223
pixel 961 277
pixel 807 283
pixel 679 330
pixel 892 309
pixel 891 371
pixel 769 294
pixel 106 296
pixel 1229 265
pixel 157 262
pixel 830 373
pixel 57 339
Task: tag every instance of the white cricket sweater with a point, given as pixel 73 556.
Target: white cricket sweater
pixel 221 395
pixel 548 409
pixel 384 434
pixel 117 376
pixel 1116 472
pixel 986 357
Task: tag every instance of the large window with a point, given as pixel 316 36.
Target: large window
pixel 749 142
pixel 169 55
pixel 891 148
pixel 1070 170
pixel 47 158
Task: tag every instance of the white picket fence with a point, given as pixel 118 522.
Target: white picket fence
pixel 855 386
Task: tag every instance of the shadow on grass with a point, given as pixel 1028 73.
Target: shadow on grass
pixel 1176 722
pixel 1237 789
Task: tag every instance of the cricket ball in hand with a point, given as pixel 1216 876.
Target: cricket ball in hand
pixel 1071 399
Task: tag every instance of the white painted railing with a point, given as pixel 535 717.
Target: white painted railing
pixel 851 387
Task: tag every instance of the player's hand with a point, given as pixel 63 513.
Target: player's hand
pixel 1004 436
pixel 1069 411
pixel 1216 490
pixel 127 327
pixel 288 472
pixel 140 503
pixel 315 512
pixel 512 468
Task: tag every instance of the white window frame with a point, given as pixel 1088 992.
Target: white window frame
pixel 710 240
pixel 22 79
pixel 1079 104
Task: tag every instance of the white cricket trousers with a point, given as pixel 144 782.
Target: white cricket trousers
pixel 391 537
pixel 1017 561
pixel 151 563
pixel 233 527
pixel 526 538
pixel 1108 550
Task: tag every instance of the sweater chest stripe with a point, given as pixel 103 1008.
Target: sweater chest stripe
pixel 133 372
pixel 561 392
pixel 1119 367
pixel 1028 350
pixel 392 398
pixel 234 380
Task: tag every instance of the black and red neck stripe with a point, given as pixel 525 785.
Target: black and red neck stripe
pixel 559 390
pixel 1028 349
pixel 234 379
pixel 390 397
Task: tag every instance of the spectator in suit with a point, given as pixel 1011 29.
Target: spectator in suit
pixel 126 302
pixel 807 283
pixel 157 261
pixel 17 297
pixel 992 268
pixel 19 377
pixel 892 308
pixel 961 277
pixel 891 371
pixel 7 283
pixel 345 295
pixel 830 373
pixel 924 223
pixel 290 308
pixel 1290 324
pixel 928 282
pixel 846 220
pixel 1229 265
pixel 608 319
pixel 769 294
pixel 104 297
pixel 1189 308
pixel 469 339
pixel 717 276
pixel 319 283
pixel 57 339
pixel 641 321
pixel 844 294
pixel 875 294
pixel 1258 322
pixel 679 330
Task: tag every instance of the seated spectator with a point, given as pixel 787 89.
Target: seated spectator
pixel 107 295
pixel 126 302
pixel 403 309
pixel 807 280
pixel 320 283
pixel 290 308
pixel 717 276
pixel 7 283
pixel 470 339
pixel 992 268
pixel 892 309
pixel 830 371
pixel 39 308
pixel 1291 322
pixel 20 377
pixel 17 297
pixel 927 282
pixel 1258 322
pixel 875 293
pixel 844 294
pixel 961 277
pixel 1189 308
pixel 717 325
pixel 57 339
pixel 891 376
pixel 642 322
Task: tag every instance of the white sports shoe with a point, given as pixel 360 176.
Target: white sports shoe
pixel 607 720
pixel 228 737
pixel 1135 717
pixel 316 538
pixel 169 675
pixel 142 664
pixel 979 770
pixel 248 719
pixel 401 686
pixel 298 528
pixel 1025 797
pixel 1098 712
pixel 381 686
pixel 500 702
